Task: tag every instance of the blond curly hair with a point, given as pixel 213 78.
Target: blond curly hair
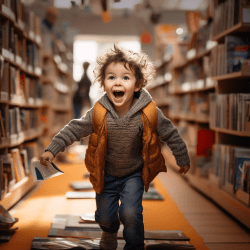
pixel 139 63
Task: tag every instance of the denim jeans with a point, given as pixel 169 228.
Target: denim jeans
pixel 129 191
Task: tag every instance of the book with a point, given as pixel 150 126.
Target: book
pixel 1 177
pixel 63 243
pixel 81 185
pixel 8 168
pixel 24 157
pixel 18 165
pixel 241 57
pixel 40 172
pixel 82 244
pixel 80 195
pixel 6 219
pixel 61 221
pixel 234 51
pixel 152 194
pixel 88 217
pixel 2 129
pixel 241 163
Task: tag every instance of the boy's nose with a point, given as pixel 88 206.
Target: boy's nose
pixel 118 81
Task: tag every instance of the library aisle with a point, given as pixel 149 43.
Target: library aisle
pixel 207 225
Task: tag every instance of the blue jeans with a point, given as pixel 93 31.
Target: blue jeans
pixel 129 191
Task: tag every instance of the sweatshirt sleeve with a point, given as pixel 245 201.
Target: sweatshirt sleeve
pixel 168 133
pixel 73 131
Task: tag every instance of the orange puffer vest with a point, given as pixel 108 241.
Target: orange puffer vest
pixel 97 148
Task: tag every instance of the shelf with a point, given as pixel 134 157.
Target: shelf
pixel 186 62
pixel 231 132
pixel 238 28
pixel 22 137
pixel 235 75
pixel 153 86
pixel 226 201
pixel 19 190
pixel 192 118
pixel 162 102
pixel 181 92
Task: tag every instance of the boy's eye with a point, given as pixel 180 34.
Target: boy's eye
pixel 111 77
pixel 126 78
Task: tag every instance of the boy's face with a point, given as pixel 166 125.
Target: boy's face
pixel 119 84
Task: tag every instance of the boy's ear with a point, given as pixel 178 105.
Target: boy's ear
pixel 138 86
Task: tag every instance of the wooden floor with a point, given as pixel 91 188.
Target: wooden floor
pixel 217 228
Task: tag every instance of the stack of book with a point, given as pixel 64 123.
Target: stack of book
pixel 6 225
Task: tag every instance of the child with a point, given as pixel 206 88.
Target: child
pixel 123 154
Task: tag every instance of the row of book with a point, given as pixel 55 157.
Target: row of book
pixel 229 13
pixel 231 56
pixel 16 123
pixel 231 164
pixel 18 87
pixel 15 165
pixel 230 111
pixel 17 48
pixel 192 105
pixel 23 18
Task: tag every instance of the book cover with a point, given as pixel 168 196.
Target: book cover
pixel 241 162
pixel 40 172
pixel 241 55
pixel 231 43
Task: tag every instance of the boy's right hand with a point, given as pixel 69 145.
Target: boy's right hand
pixel 46 156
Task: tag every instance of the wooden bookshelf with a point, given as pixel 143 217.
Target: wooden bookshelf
pixel 20 189
pixel 207 48
pixel 19 70
pixel 27 115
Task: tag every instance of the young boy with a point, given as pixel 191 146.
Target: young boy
pixel 123 155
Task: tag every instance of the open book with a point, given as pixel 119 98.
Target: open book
pixel 40 172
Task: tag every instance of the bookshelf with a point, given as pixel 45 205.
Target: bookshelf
pixel 32 99
pixel 208 100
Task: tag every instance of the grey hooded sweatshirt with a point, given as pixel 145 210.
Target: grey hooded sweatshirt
pixel 124 149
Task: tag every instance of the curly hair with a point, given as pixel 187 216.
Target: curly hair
pixel 139 63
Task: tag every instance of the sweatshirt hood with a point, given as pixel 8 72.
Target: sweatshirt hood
pixel 143 100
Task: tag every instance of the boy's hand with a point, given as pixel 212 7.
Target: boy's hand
pixel 46 156
pixel 184 169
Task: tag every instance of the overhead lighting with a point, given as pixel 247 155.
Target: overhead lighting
pixel 179 31
pixel 125 4
pixel 62 4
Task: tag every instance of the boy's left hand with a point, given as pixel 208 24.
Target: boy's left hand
pixel 184 169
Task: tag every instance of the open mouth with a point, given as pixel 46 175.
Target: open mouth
pixel 118 94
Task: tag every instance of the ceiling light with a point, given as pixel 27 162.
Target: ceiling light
pixel 179 31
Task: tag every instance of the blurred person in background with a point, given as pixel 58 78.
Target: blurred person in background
pixel 81 100
pixel 49 21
